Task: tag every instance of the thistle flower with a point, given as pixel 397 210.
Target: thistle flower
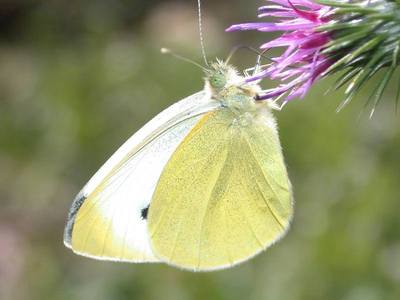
pixel 356 38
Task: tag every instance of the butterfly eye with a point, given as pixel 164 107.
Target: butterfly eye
pixel 218 80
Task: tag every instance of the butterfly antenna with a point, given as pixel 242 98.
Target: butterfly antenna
pixel 180 57
pixel 258 61
pixel 251 49
pixel 203 49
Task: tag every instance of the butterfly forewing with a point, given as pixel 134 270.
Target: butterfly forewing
pixel 108 218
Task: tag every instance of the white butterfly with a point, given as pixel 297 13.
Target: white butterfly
pixel 201 186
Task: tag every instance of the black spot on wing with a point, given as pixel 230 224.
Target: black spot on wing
pixel 144 212
pixel 76 205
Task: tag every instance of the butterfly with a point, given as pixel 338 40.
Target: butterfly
pixel 202 186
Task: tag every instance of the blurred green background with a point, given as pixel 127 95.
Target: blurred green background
pixel 77 78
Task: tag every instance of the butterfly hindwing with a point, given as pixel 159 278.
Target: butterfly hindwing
pixel 223 196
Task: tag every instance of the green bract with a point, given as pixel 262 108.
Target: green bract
pixel 365 39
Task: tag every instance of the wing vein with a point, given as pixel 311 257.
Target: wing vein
pixel 208 204
pixel 264 151
pixel 262 194
pixel 269 184
pixel 246 218
pixel 175 202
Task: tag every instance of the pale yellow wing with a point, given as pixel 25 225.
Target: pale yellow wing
pixel 223 196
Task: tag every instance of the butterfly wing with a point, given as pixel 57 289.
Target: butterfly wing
pixel 107 219
pixel 223 196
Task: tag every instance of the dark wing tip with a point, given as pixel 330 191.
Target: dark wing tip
pixel 76 205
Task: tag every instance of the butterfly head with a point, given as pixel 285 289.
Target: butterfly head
pixel 225 85
pixel 219 76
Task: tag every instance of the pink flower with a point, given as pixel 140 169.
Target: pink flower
pixel 302 63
